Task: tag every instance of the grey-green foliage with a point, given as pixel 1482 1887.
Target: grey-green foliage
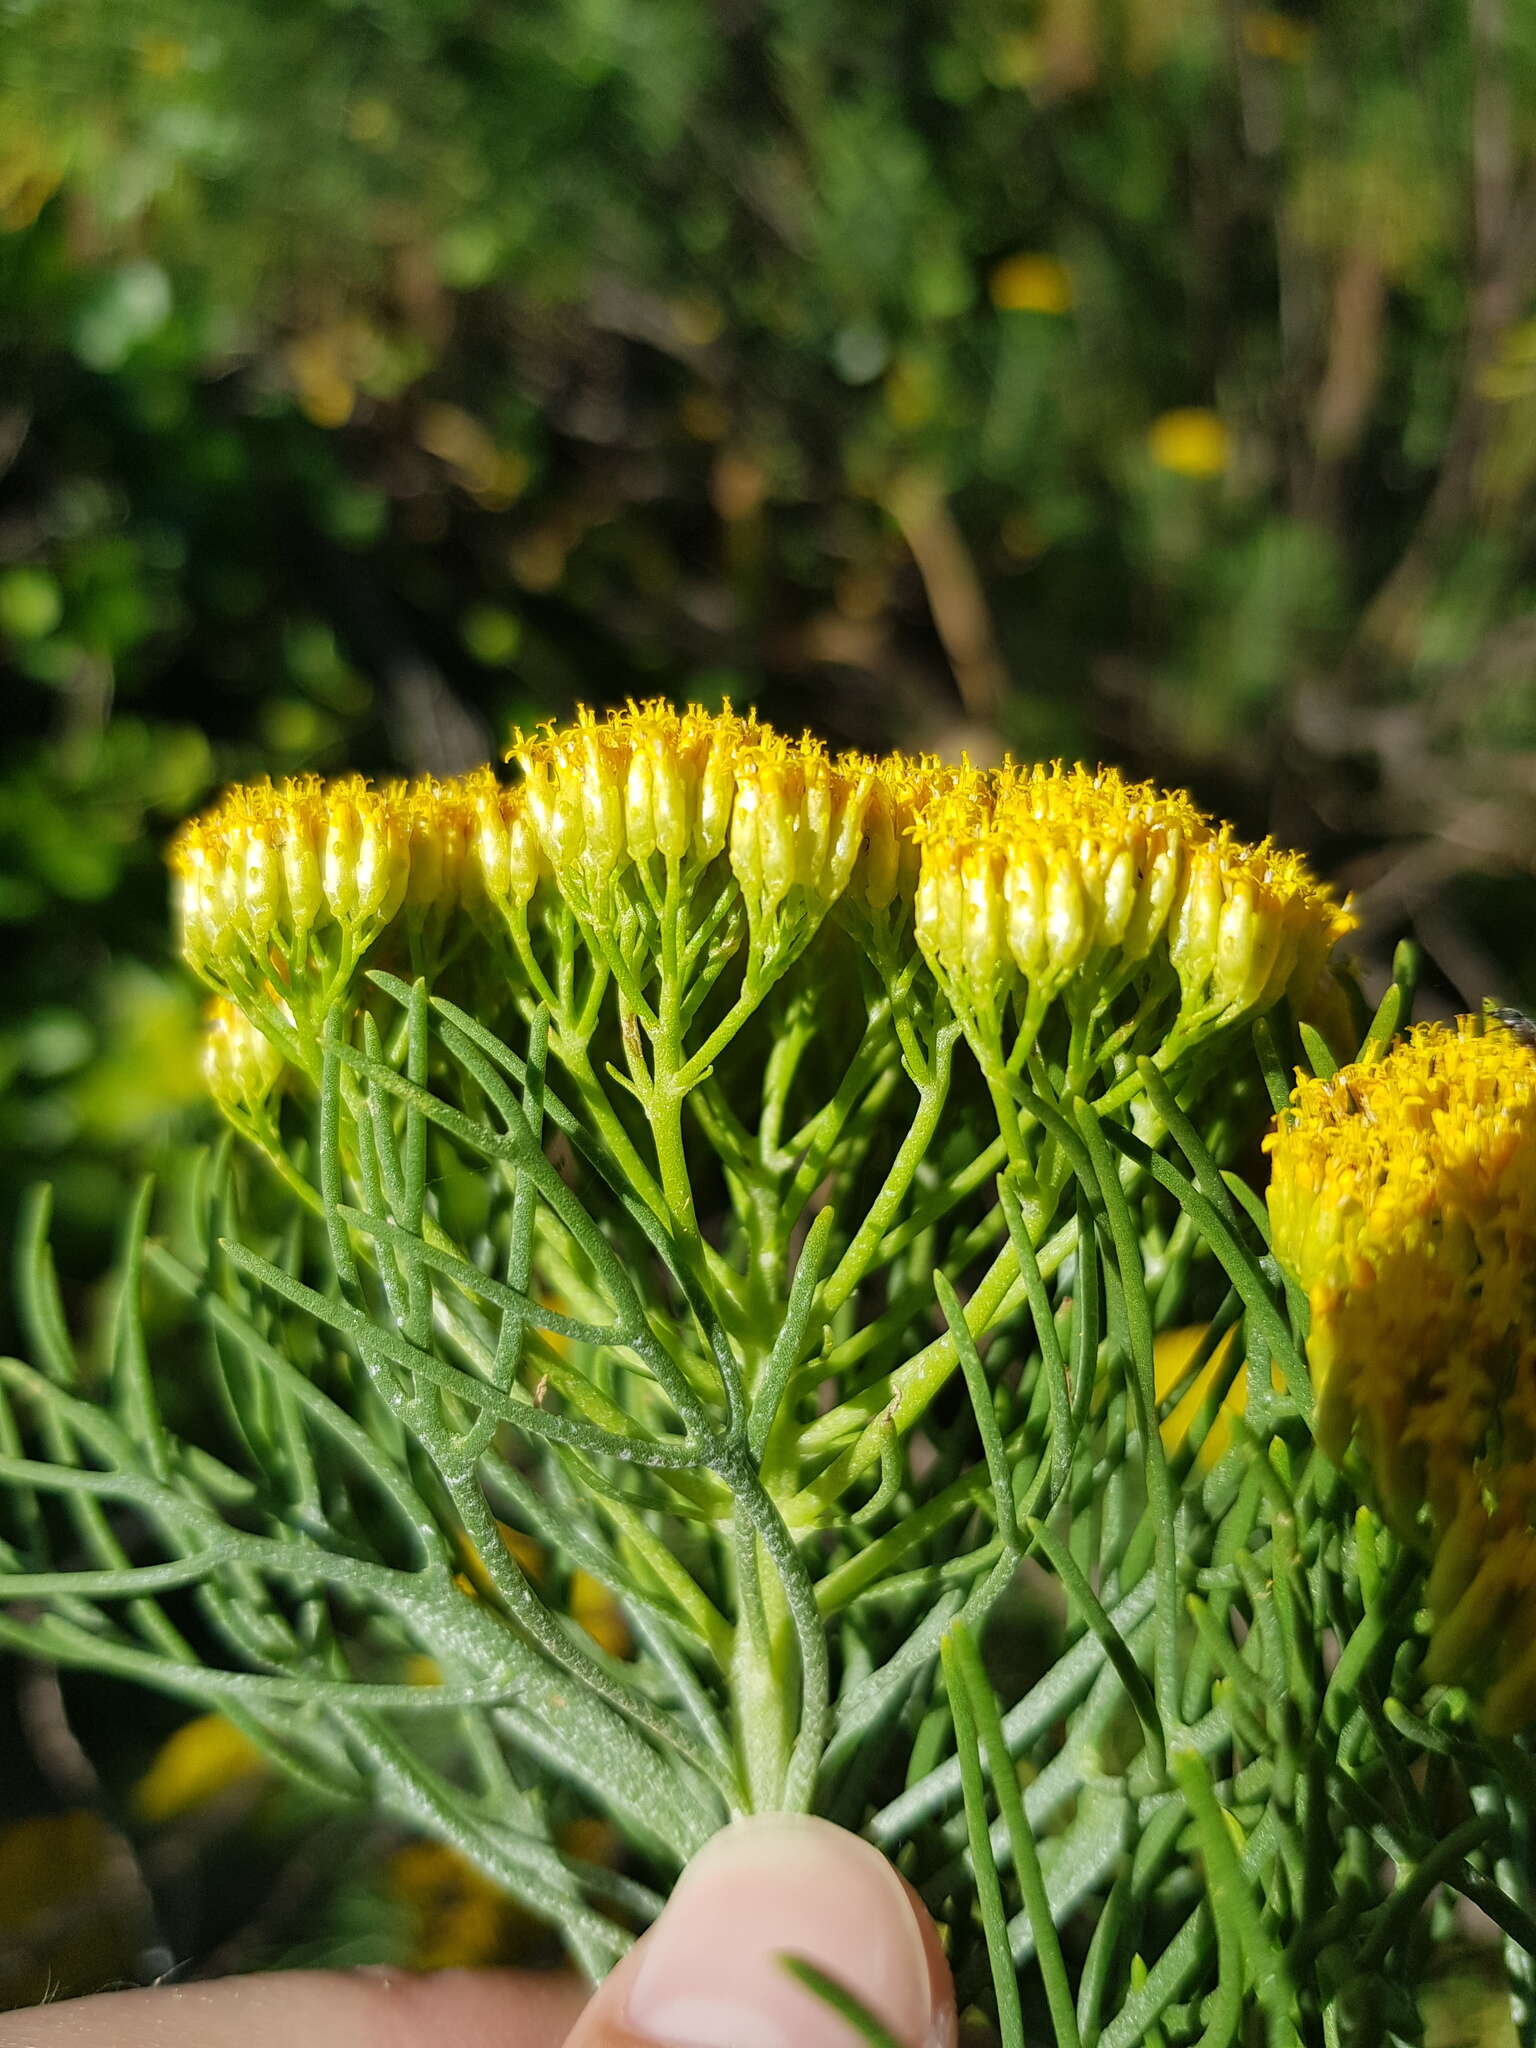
pixel 1222 1798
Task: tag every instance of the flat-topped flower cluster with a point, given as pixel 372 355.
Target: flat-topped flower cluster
pixel 1017 887
pixel 1403 1198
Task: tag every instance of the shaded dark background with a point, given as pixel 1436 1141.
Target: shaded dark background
pixel 1145 380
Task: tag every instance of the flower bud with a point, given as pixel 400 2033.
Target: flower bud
pixel 640 805
pixel 365 866
pixel 240 1065
pixel 432 852
pixel 600 800
pixel 1161 872
pixel 716 792
pixel 194 885
pixel 880 867
pixel 961 920
pixel 503 845
pixel 301 848
pixel 1196 923
pixel 259 882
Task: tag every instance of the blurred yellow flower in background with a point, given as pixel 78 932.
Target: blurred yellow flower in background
pixel 458 1919
pixel 203 1758
pixel 62 1928
pixel 1282 38
pixel 1031 282
pixel 1190 441
pixel 1172 1356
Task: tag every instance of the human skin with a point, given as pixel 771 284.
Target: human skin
pixel 709 1974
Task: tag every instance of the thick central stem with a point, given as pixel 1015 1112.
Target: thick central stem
pixel 763 1684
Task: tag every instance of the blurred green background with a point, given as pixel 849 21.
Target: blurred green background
pixel 1149 380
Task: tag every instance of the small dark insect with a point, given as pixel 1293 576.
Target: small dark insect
pixel 1517 1023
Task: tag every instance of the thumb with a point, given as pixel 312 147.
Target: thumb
pixel 710 1973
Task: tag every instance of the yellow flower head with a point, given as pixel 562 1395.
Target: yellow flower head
pixel 1048 873
pixel 1403 1199
pixel 1035 872
pixel 281 889
pixel 241 1066
pixel 613 791
pixel 960 916
pixel 1095 863
pixel 504 855
pixel 902 788
pixel 1250 922
pixel 797 821
pixel 270 864
pixel 365 862
pixel 606 795
pixel 438 823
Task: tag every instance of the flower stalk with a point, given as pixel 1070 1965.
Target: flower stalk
pixel 765 1180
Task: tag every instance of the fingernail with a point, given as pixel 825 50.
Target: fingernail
pixel 711 1972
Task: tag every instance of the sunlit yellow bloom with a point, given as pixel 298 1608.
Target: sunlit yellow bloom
pixel 205 1757
pixel 1035 872
pixel 1031 283
pixel 273 863
pixel 438 823
pixel 1095 861
pixel 1249 922
pixel 901 788
pixel 282 889
pixel 365 860
pixel 505 856
pixel 1050 877
pixel 1403 1199
pixel 649 783
pixel 645 780
pixel 1190 441
pixel 961 915
pixel 797 822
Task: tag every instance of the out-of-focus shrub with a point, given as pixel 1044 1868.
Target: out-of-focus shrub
pixel 1150 381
